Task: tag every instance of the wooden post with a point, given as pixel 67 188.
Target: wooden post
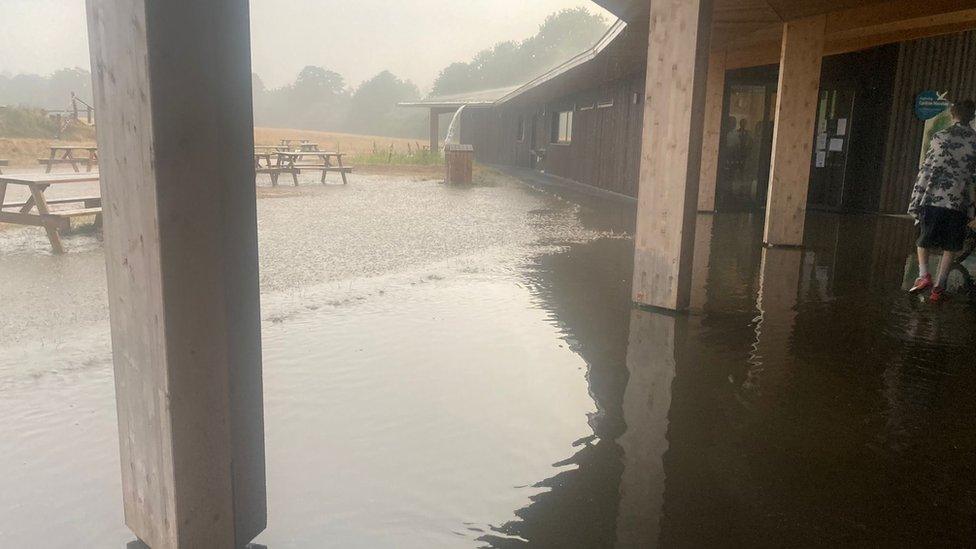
pixel 172 84
pixel 674 114
pixel 796 113
pixel 712 140
pixel 435 131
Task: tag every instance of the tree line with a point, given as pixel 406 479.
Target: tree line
pixel 320 99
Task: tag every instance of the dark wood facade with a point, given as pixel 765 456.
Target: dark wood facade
pixel 945 63
pixel 605 149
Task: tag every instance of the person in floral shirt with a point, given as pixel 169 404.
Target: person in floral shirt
pixel 943 200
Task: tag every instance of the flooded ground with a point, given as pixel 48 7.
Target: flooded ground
pixel 462 367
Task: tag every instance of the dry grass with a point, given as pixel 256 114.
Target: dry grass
pixel 330 141
pixel 24 152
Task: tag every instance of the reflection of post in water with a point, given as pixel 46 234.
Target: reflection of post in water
pixel 779 282
pixel 651 361
pixel 704 226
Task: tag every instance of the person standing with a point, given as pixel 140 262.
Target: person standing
pixel 943 198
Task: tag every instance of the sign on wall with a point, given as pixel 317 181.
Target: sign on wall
pixel 932 107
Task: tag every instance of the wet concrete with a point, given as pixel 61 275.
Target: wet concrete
pixel 462 367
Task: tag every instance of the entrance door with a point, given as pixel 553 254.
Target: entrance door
pixel 746 145
pixel 828 175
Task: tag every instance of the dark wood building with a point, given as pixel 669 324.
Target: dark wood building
pixel 583 121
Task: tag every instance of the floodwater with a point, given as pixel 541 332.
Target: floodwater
pixel 462 367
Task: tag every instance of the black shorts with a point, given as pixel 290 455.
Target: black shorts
pixel 942 228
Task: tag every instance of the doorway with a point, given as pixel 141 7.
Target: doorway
pixel 828 172
pixel 746 146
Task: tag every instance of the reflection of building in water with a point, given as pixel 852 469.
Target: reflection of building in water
pixel 586 289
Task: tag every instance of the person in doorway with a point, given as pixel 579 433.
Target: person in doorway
pixel 943 198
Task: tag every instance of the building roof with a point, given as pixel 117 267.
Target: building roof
pixel 574 66
pixel 482 98
pixel 488 98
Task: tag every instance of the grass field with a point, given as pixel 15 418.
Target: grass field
pixel 363 150
pixel 331 141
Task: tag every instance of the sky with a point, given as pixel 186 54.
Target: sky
pixel 356 38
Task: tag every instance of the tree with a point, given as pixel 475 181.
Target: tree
pixel 562 35
pixel 372 109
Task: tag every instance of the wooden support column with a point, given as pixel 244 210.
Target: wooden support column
pixel 796 113
pixel 435 130
pixel 712 140
pixel 172 83
pixel 674 113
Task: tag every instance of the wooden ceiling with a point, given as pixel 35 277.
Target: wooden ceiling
pixel 751 30
pixel 744 11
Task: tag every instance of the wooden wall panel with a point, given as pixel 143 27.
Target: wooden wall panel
pixel 605 149
pixel 946 63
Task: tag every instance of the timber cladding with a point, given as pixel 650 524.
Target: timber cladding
pixel 606 135
pixel 946 63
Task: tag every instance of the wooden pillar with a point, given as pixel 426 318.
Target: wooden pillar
pixel 172 83
pixel 674 114
pixel 796 113
pixel 435 130
pixel 712 140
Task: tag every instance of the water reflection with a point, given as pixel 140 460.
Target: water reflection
pixel 509 395
pixel 805 400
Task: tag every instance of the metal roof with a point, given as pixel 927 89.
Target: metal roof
pixel 482 98
pixel 488 98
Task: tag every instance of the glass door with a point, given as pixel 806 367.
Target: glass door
pixel 828 175
pixel 746 145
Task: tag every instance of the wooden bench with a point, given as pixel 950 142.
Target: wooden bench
pixel 51 162
pixel 341 170
pixel 275 171
pixel 88 201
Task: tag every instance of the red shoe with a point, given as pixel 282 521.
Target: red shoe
pixel 938 295
pixel 922 284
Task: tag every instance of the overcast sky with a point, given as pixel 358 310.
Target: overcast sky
pixel 357 38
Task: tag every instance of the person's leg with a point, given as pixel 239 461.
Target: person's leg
pixel 944 265
pixel 923 262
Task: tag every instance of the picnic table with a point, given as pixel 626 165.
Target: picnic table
pixel 65 154
pixel 292 159
pixel 270 148
pixel 53 221
pixel 264 165
pixel 307 146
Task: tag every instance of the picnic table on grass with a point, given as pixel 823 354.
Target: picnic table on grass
pixel 292 160
pixel 65 154
pixel 36 210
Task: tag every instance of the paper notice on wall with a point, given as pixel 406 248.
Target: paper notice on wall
pixel 841 126
pixel 836 145
pixel 821 159
pixel 822 142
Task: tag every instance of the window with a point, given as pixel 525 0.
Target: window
pixel 562 127
pixel 520 136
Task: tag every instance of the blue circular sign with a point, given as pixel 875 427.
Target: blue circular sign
pixel 930 104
